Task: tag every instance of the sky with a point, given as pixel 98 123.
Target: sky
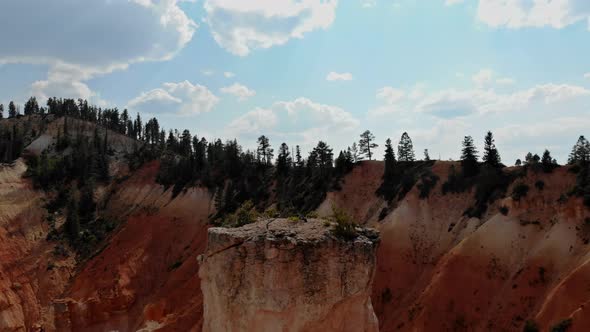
pixel 300 71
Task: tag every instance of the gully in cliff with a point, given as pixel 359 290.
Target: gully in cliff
pixel 286 275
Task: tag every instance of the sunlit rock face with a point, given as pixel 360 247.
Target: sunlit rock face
pixel 284 275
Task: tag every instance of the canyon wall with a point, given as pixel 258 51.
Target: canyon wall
pixel 285 275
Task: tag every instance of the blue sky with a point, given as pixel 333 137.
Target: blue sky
pixel 302 70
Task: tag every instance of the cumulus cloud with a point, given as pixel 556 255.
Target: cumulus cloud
pixel 238 90
pixel 533 13
pixel 100 30
pixel 587 75
pixel 181 98
pixel 368 3
pixel 302 120
pixel 455 103
pixel 243 26
pixel 333 76
pixel 228 74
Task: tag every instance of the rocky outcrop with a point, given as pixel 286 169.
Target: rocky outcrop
pixel 284 275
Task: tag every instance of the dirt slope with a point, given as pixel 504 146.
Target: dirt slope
pixel 439 270
pixel 147 277
pixel 30 274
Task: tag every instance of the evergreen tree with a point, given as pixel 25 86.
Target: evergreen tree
pixel 405 148
pixel 490 155
pixel 547 161
pixel 324 155
pixel 31 106
pixel 518 162
pixel 11 110
pixel 426 155
pixel 299 162
pixel 580 152
pixel 389 159
pixel 283 160
pixel 528 159
pixel 264 152
pixel 366 144
pixel 469 157
pixel 343 163
pixel 1 111
pixel 72 224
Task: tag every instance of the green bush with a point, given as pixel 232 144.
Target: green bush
pixel 345 228
pixel 519 191
pixel 428 181
pixel 530 326
pixel 562 326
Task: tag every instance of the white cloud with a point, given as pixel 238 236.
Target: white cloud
pixel 301 120
pixel 587 75
pixel 238 90
pixel 454 103
pixel 243 26
pixel 207 72
pixel 160 29
pixel 333 76
pixel 483 77
pixel 390 95
pixel 487 76
pixel 228 74
pixel 181 98
pixel 533 13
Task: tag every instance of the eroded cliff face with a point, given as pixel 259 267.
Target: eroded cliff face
pixel 440 270
pixel 31 275
pixel 284 275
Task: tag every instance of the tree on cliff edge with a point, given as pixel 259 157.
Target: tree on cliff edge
pixel 366 143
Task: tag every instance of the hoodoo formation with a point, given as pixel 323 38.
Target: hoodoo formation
pixel 288 275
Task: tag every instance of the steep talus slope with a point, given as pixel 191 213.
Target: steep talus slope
pixel 440 270
pixel 30 274
pixel 147 275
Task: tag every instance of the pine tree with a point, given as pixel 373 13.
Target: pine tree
pixel 405 148
pixel 490 155
pixel 580 152
pixel 426 155
pixel 1 111
pixel 518 162
pixel 72 224
pixel 283 160
pixel 469 157
pixel 264 153
pixel 11 110
pixel 366 144
pixel 389 159
pixel 298 159
pixel 31 106
pixel 547 161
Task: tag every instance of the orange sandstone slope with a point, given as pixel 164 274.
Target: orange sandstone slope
pixel 147 276
pixel 438 270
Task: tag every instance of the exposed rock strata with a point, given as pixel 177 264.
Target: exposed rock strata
pixel 283 275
